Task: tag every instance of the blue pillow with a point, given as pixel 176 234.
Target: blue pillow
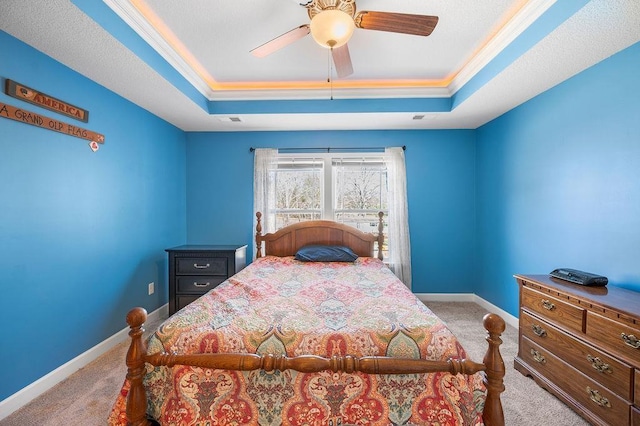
pixel 326 254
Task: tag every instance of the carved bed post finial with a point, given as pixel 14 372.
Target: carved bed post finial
pixel 493 414
pixel 380 235
pixel 137 397
pixel 258 235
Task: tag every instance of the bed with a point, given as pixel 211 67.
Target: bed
pixel 290 342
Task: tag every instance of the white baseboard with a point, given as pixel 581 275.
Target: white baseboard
pixel 468 297
pixel 446 297
pixel 43 384
pixel 506 316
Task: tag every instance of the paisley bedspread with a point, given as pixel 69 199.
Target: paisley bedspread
pixel 283 306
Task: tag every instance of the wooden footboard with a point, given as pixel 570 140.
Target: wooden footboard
pixel 492 366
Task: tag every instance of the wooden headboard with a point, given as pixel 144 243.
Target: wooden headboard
pixel 287 241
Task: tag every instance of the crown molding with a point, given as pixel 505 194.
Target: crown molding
pixel 516 26
pixel 132 17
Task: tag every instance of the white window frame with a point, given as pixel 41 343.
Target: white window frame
pixel 329 184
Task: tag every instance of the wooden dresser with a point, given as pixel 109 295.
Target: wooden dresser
pixel 196 269
pixel 582 344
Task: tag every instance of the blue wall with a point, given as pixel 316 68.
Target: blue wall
pixel 81 233
pixel 440 186
pixel 559 182
pixel 553 183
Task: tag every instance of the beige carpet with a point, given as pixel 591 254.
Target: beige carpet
pixel 86 397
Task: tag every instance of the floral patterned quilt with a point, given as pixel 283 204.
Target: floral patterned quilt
pixel 283 306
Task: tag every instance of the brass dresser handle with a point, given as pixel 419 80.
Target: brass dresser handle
pixel 538 330
pixel 630 340
pixel 548 305
pixel 597 398
pixel 599 365
pixel 538 357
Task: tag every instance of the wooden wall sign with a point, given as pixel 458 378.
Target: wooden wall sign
pixel 22 92
pixel 17 114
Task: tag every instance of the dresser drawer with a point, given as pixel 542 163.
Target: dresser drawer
pixel 619 338
pixel 611 373
pixel 201 266
pixel 637 391
pixel 635 417
pixel 597 399
pixel 197 284
pixel 557 311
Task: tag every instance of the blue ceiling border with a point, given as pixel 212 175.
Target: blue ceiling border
pixel 545 24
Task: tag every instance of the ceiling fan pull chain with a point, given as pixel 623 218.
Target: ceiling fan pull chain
pixel 329 69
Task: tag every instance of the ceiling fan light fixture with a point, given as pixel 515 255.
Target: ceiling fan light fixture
pixel 332 28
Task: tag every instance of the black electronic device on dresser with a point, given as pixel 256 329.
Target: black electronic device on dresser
pixel 196 269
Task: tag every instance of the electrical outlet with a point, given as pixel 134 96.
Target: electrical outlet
pixel 151 288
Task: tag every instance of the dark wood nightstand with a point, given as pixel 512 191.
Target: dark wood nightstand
pixel 196 269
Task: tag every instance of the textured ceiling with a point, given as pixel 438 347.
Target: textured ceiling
pixel 192 65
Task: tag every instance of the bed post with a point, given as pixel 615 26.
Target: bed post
pixel 380 235
pixel 258 235
pixel 137 397
pixel 494 373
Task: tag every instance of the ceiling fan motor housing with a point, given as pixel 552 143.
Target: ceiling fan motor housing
pixel 317 6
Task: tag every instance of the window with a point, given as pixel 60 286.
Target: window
pixel 350 188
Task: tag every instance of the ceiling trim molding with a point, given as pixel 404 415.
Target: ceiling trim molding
pixel 516 26
pixel 327 92
pixel 129 14
pixel 513 28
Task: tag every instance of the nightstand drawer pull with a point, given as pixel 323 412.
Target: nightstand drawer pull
pixel 197 284
pixel 600 366
pixel 195 265
pixel 548 305
pixel 538 330
pixel 630 340
pixel 597 398
pixel 538 357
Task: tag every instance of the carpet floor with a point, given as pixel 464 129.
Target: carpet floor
pixel 86 397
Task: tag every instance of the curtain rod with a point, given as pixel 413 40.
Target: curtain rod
pixel 328 149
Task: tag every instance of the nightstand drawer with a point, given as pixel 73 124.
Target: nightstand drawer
pixel 619 338
pixel 593 396
pixel 596 364
pixel 197 284
pixel 201 266
pixel 635 416
pixel 557 311
pixel 183 300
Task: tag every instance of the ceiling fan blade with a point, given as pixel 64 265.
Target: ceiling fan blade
pixel 342 61
pixel 281 41
pixel 421 25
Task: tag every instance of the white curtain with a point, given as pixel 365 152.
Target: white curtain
pixel 398 238
pixel 264 162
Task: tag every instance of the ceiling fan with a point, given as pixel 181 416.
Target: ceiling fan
pixel 333 22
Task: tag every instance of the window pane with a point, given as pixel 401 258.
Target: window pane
pixel 360 192
pixel 298 191
pixel 360 186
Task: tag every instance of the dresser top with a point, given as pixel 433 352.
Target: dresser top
pixel 203 247
pixel 609 296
